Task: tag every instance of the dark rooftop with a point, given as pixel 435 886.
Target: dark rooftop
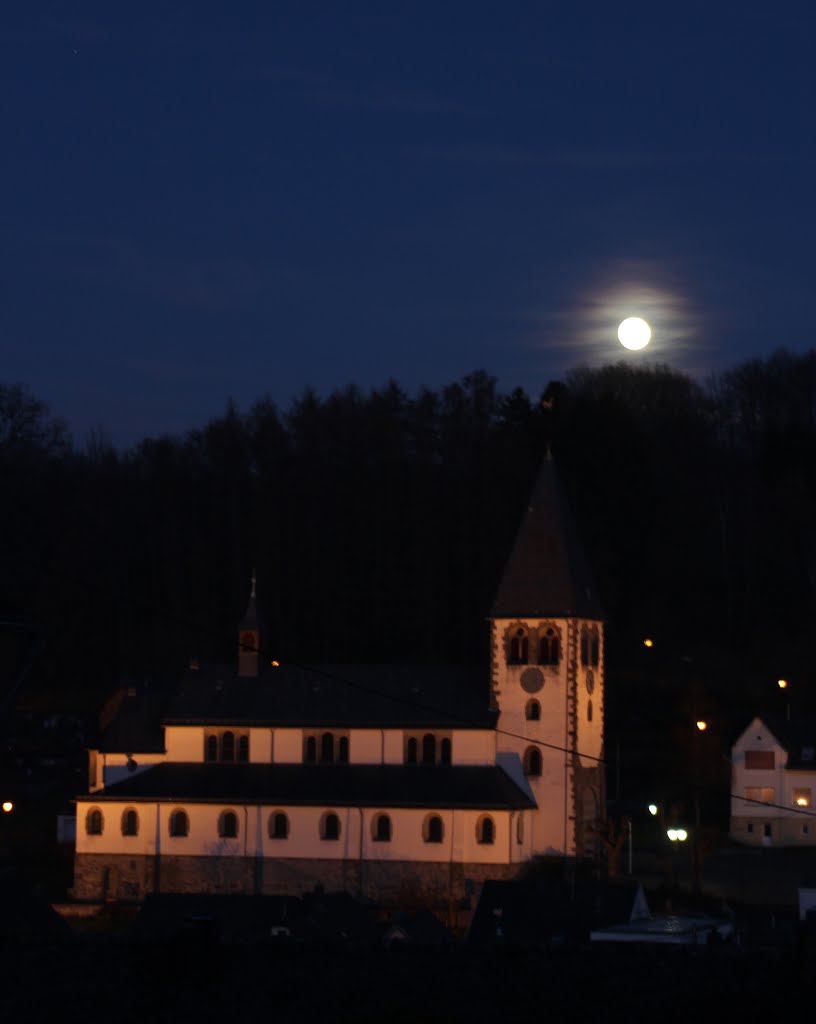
pixel 377 696
pixel 547 572
pixel 475 786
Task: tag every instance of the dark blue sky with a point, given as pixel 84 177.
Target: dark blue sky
pixel 205 201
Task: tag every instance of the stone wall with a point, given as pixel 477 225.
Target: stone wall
pixel 391 883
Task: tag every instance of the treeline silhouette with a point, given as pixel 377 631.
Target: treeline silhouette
pixel 378 524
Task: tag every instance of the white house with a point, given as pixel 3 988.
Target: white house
pixel 381 780
pixel 773 783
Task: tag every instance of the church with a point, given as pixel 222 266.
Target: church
pixel 386 781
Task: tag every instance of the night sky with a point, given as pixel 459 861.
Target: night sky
pixel 209 201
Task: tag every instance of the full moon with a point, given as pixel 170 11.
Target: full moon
pixel 634 333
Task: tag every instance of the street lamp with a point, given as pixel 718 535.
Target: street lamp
pixel 783 685
pixel 8 806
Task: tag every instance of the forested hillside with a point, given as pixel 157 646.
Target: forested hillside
pixel 378 524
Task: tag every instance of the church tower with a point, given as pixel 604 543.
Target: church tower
pixel 249 638
pixel 547 649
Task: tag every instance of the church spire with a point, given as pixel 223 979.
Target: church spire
pixel 249 637
pixel 547 572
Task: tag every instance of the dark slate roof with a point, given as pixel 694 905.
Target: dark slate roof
pixel 547 572
pixel 378 696
pixel 350 785
pixel 137 725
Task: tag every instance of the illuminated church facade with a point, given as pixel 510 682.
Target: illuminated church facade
pixel 385 781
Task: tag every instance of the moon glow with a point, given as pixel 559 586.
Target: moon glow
pixel 634 333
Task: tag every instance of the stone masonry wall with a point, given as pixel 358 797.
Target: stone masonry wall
pixel 393 883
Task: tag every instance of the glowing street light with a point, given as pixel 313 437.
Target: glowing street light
pixel 653 809
pixel 8 806
pixel 701 725
pixel 648 642
pixel 782 684
pixel 677 835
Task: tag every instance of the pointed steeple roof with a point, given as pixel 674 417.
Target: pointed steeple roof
pixel 547 573
pixel 250 619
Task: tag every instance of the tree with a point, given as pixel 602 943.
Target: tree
pixel 27 426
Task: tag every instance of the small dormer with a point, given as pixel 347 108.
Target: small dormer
pixel 249 638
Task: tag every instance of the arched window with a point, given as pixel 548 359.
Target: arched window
pixel 382 829
pixel 429 748
pixel 326 748
pixel 179 823
pixel 596 646
pixel 434 830
pixel 330 826
pixel 532 761
pixel 445 751
pixel 532 711
pixel 589 711
pixel 517 654
pixel 549 648
pixel 130 822
pixel 310 755
pixel 278 826
pixel 343 750
pixel 486 831
pixel 211 749
pixel 94 822
pixel 228 746
pixel 228 825
pixel 411 751
pixel 243 749
pixel 584 646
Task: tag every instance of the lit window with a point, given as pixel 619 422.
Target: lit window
pixel 801 797
pixel 760 794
